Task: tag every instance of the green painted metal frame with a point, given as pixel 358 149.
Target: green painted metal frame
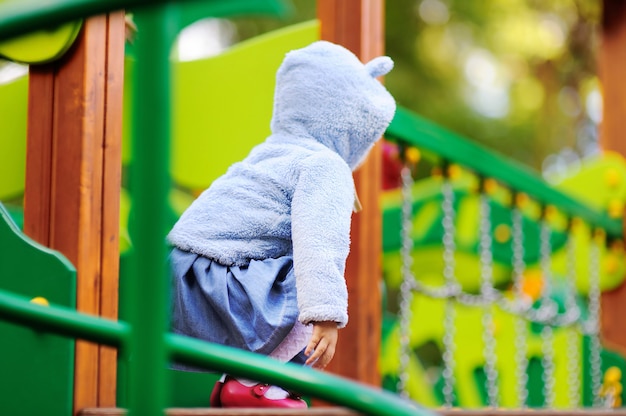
pixel 414 130
pixel 65 321
pixel 145 336
pixel 34 360
pixel 18 18
pixel 150 184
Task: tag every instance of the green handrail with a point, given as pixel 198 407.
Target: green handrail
pixel 150 184
pixel 64 321
pixel 18 18
pixel 419 132
pixel 61 320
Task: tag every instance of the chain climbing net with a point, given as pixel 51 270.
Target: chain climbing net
pixel 544 311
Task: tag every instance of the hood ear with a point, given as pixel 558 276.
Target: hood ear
pixel 379 66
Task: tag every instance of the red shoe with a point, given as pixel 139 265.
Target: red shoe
pixel 235 394
pixel 214 400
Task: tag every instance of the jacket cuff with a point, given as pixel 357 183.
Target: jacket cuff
pixel 324 313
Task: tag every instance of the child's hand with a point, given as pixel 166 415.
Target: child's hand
pixel 322 344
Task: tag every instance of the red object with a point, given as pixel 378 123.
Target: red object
pixel 214 400
pixel 232 393
pixel 392 166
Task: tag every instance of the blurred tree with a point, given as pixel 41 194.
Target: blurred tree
pixel 302 10
pixel 518 76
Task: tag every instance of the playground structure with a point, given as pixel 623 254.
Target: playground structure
pixel 99 389
pixel 523 281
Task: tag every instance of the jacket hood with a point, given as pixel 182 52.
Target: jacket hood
pixel 323 92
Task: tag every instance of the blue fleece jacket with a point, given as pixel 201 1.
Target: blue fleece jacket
pixel 293 194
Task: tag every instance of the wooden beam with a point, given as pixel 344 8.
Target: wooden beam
pixel 358 25
pixel 232 411
pixel 111 174
pixel 612 63
pixel 339 411
pixel 73 172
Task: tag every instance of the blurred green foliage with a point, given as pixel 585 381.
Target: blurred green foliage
pixel 514 75
pixel 518 76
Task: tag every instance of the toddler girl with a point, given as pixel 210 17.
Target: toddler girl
pixel 258 259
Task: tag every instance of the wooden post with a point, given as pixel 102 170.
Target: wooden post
pixel 612 63
pixel 73 171
pixel 358 25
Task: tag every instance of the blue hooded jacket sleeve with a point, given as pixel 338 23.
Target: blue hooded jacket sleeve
pixel 321 210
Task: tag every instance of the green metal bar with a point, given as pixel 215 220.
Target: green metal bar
pixel 304 380
pixel 18 18
pixel 67 322
pixel 417 131
pixel 149 185
pixel 61 320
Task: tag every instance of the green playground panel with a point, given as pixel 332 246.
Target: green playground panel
pixel 13 110
pixel 37 367
pixel 216 120
pixel 427 236
pixel 222 106
pixel 41 46
pixel 428 215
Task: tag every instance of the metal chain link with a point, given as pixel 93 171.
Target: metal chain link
pixel 447 205
pixel 408 279
pixel 593 325
pixel 521 331
pixel 547 336
pixel 488 292
pixel 521 305
pixel 573 339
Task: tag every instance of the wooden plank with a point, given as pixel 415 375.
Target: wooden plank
pixel 77 185
pixel 112 172
pixel 79 157
pixel 531 412
pixel 612 62
pixel 358 25
pixel 39 153
pixel 336 411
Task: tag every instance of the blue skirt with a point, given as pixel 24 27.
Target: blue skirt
pixel 250 307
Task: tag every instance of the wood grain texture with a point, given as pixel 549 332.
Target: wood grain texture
pixel 73 181
pixel 39 152
pixel 112 172
pixel 611 62
pixel 336 411
pixel 358 25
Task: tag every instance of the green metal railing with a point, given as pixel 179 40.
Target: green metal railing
pixel 414 130
pixel 145 336
pixel 65 321
pixel 486 168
